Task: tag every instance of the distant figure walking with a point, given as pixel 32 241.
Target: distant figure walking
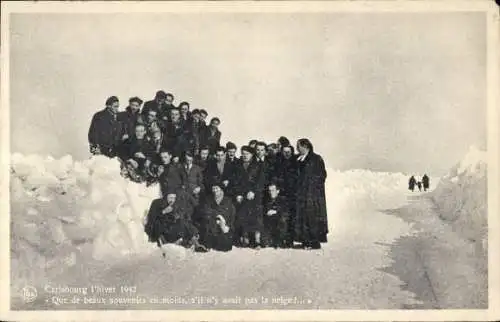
pixel 425 182
pixel 419 184
pixel 412 183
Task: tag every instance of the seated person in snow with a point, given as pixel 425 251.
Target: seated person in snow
pixel 276 217
pixel 218 215
pixel 167 223
pixel 137 148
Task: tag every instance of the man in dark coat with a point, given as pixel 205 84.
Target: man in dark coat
pixel 192 176
pixel 168 174
pixel 286 173
pixel 311 225
pixel 211 136
pixel 166 110
pixel 176 136
pixel 218 215
pixel 264 161
pixel 249 188
pixel 191 184
pixel 195 129
pixel 203 118
pixel 425 182
pixel 157 143
pixel 137 148
pixel 106 132
pixel 157 104
pixel 168 222
pixel 132 115
pixel 202 159
pixel 219 170
pixel 276 213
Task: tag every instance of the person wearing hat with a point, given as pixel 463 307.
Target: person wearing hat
pixel 168 223
pixel 249 187
pixel 106 131
pixel 218 214
pixel 157 104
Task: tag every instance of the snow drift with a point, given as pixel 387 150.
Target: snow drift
pixel 61 209
pixel 461 197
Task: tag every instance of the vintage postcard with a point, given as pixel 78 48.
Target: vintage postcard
pixel 250 160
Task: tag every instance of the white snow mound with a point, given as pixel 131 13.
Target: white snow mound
pixel 57 206
pixel 461 197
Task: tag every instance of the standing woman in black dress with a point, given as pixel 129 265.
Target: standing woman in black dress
pixel 311 224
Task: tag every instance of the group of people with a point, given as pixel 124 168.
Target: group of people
pixel 211 199
pixel 424 182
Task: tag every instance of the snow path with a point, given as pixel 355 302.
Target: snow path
pixel 453 268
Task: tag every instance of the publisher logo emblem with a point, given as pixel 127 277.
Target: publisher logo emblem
pixel 29 294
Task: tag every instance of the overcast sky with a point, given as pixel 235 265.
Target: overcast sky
pixel 386 91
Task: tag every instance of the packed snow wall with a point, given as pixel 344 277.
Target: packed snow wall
pixel 462 197
pixel 61 208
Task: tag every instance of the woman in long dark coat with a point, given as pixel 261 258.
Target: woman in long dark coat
pixel 311 224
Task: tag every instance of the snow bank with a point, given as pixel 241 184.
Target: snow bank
pixel 461 197
pixel 60 207
pixel 361 191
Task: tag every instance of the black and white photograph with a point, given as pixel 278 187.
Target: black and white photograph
pixel 248 157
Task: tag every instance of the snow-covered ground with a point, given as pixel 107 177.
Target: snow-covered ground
pixel 79 224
